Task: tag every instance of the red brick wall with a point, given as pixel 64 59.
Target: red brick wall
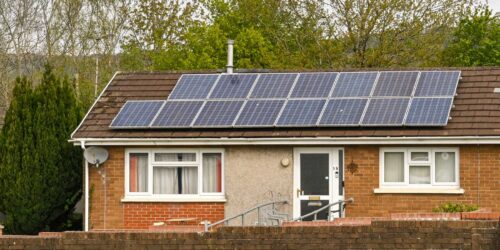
pixel 107 213
pixel 112 213
pixel 378 235
pixel 479 177
pixel 143 215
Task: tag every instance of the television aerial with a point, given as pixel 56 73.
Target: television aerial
pixel 96 155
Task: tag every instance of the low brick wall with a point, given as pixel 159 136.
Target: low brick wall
pixel 378 235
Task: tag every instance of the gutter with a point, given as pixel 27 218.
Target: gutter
pixel 442 140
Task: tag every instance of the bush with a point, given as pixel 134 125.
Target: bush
pixel 40 171
pixel 451 207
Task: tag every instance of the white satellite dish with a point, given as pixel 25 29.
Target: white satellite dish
pixel 96 155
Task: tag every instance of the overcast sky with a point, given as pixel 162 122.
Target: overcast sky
pixel 495 5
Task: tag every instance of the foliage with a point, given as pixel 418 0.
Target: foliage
pixel 40 171
pixel 451 207
pixel 476 41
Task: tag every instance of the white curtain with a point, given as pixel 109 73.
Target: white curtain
pixel 189 180
pixel 142 173
pixel 165 181
pixel 210 172
pixel 420 174
pixel 394 166
pixel 445 166
pixel 175 157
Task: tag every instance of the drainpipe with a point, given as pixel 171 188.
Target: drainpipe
pixel 86 193
pixel 229 66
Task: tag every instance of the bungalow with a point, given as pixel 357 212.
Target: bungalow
pixel 196 147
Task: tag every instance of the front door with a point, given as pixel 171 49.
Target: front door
pixel 317 180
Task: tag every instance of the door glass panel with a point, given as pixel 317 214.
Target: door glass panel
pixel 314 177
pixel 307 206
pixel 341 172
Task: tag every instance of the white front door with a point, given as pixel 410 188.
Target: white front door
pixel 318 174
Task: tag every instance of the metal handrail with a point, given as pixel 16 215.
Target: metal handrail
pixel 315 212
pixel 242 215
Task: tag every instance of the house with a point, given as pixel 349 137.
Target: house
pixel 208 166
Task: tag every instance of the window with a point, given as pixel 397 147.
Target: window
pixel 174 173
pixel 419 167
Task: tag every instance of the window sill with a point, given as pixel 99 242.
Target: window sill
pixel 417 190
pixel 174 199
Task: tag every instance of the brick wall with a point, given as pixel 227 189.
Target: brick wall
pixel 479 177
pixel 142 215
pixel 107 213
pixel 112 213
pixel 378 235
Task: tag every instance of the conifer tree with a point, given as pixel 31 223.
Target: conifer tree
pixel 40 171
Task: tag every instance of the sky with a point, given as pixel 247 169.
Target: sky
pixel 495 5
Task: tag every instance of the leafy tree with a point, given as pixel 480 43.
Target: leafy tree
pixel 476 41
pixel 40 172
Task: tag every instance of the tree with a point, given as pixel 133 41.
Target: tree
pixel 476 41
pixel 385 33
pixel 40 172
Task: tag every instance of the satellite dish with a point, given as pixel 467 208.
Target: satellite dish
pixel 96 155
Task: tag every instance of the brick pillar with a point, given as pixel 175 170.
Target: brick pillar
pixel 1 230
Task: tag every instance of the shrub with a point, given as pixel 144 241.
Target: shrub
pixel 40 171
pixel 451 207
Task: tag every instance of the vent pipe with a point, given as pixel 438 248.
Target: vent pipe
pixel 229 66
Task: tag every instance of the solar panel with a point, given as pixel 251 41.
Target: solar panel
pixel 386 112
pixel 437 83
pixel 343 112
pixel 273 85
pixel 193 86
pixel 233 86
pixel 354 84
pixel 136 114
pixel 177 114
pixel 218 114
pixel 429 111
pixel 310 85
pixel 301 113
pixel 395 83
pixel 260 113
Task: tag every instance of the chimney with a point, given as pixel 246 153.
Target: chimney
pixel 229 66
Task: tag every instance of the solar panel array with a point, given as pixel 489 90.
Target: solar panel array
pixel 324 99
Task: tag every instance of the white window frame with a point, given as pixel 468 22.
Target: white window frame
pixel 407 163
pixel 149 196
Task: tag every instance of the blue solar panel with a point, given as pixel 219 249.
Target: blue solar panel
pixel 396 83
pixel 177 114
pixel 136 114
pixel 273 85
pixel 193 87
pixel 386 112
pixel 301 113
pixel 218 114
pixel 260 113
pixel 233 86
pixel 343 112
pixel 311 85
pixel 429 111
pixel 354 84
pixel 437 83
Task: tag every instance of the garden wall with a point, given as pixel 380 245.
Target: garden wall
pixel 378 235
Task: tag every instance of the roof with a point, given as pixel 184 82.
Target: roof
pixel 476 111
